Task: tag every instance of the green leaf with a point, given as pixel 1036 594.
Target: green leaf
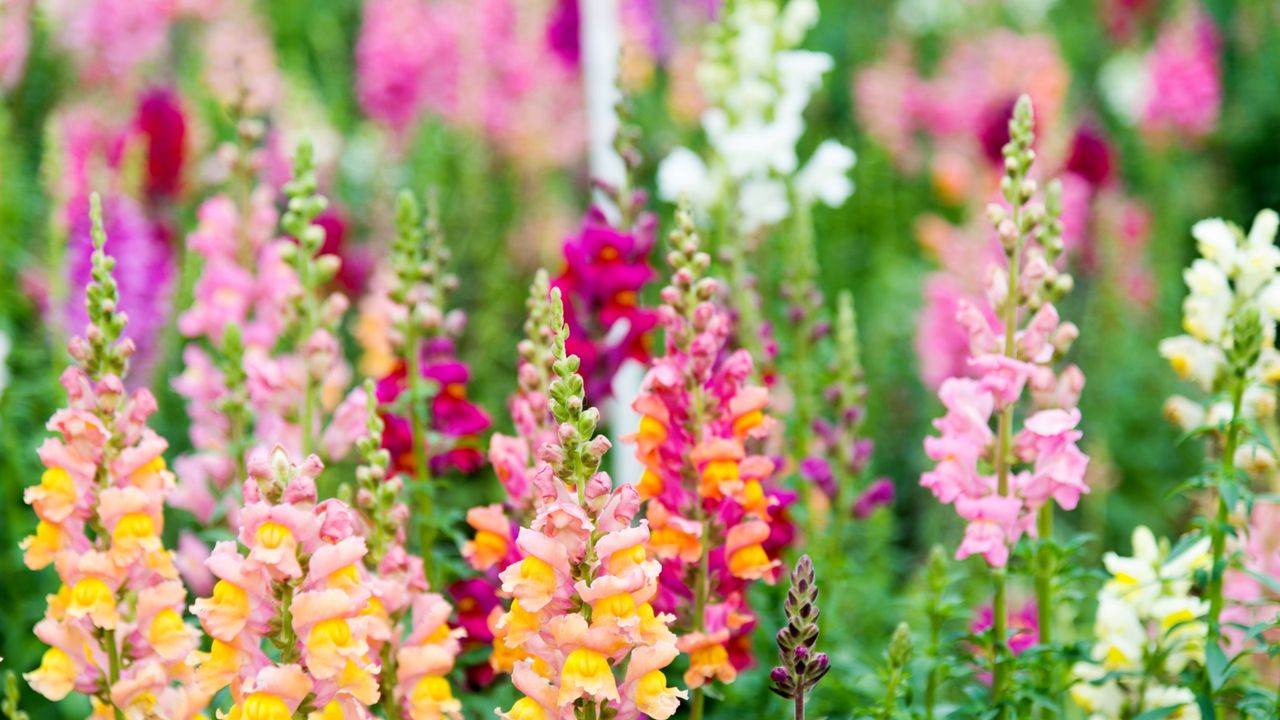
pixel 1216 663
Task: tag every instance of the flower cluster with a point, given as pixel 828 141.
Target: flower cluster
pixel 115 627
pixel 606 269
pixel 717 518
pixel 482 66
pixel 298 584
pixel 1174 89
pixel 1149 627
pixel 801 667
pixel 419 334
pixel 1013 346
pixel 243 392
pixel 1234 277
pixel 414 665
pixel 758 85
pixel 581 594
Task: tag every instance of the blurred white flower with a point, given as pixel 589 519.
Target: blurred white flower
pixel 758 84
pixel 762 203
pixel 1123 84
pixel 798 18
pixel 683 175
pixel 825 178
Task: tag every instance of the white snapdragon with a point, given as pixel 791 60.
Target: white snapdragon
pixel 1235 271
pixel 758 84
pixel 1148 628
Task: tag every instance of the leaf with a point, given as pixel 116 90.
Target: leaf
pixel 1217 665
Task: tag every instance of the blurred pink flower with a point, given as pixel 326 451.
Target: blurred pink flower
pixel 1185 87
pixel 15 40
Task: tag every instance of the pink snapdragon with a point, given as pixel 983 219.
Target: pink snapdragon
pixel 707 489
pixel 1250 591
pixel 581 595
pixel 115 627
pixel 1184 93
pixel 482 65
pixel 606 270
pixel 998 481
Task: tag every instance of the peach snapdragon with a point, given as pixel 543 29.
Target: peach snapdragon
pixel 115 628
pixel 581 630
pixel 294 579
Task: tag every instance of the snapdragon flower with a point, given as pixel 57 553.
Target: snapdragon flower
pixel 1013 348
pixel 115 627
pixel 581 606
pixel 293 578
pixel 1005 483
pixel 1149 627
pixel 409 629
pixel 717 517
pixel 758 84
pixel 243 392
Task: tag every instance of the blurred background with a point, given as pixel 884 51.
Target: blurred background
pixel 1154 112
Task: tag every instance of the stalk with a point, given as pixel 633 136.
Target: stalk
pixel 1000 612
pixel 113 669
pixel 421 470
pixel 388 678
pixel 1219 528
pixel 1045 570
pixel 800 707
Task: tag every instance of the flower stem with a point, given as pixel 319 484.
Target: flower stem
pixel 1218 531
pixel 388 681
pixel 113 669
pixel 1045 571
pixel 421 468
pixel 800 705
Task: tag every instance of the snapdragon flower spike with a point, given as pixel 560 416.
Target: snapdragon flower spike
pixel 1042 462
pixel 422 361
pixel 842 452
pixel 581 609
pixel 758 83
pixel 416 659
pixel 1232 285
pixel 493 546
pixel 115 627
pixel 717 518
pixel 801 667
pixel 318 368
pixel 1149 629
pixel 294 579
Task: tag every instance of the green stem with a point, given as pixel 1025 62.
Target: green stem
pixel 1045 571
pixel 696 704
pixel 113 669
pixel 288 640
pixel 931 684
pixel 388 681
pixel 421 468
pixel 1218 531
pixel 999 675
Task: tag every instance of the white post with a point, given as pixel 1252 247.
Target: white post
pixel 601 45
